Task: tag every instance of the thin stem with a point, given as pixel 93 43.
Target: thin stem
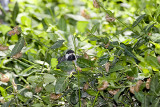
pixel 79 91
pixel 45 57
pixel 95 99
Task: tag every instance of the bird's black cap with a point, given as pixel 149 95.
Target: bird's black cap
pixel 69 51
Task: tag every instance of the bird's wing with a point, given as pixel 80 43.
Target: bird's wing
pixel 60 59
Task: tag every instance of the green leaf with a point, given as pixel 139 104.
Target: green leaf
pixel 66 66
pixel 84 63
pixel 7 104
pixel 152 61
pixel 46 99
pixel 154 84
pixel 118 94
pixel 22 98
pixel 155 103
pixel 62 24
pixel 94 28
pixel 57 44
pixel 81 26
pixel 49 88
pixel 3 92
pixel 33 79
pixel 139 43
pixel 139 96
pixel 9 97
pixel 54 62
pixel 135 23
pixel 74 97
pixel 149 28
pixel 91 92
pixel 116 68
pixel 133 72
pixel 4 29
pixel 15 12
pixel 105 40
pixel 27 69
pixel 18 47
pixel 25 20
pixel 61 84
pixel 48 78
pixel 128 51
pixel 145 101
pixel 45 26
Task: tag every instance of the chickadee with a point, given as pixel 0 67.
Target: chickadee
pixel 69 56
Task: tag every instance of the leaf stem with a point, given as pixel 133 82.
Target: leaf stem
pixel 95 99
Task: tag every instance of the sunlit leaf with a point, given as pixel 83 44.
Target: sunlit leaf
pixel 4 29
pixel 54 62
pixel 3 92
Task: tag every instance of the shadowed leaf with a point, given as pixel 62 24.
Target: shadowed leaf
pixel 18 47
pixel 57 44
pixel 138 20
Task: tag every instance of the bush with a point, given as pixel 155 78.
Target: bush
pixel 118 45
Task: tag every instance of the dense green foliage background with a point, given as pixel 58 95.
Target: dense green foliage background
pixel 119 64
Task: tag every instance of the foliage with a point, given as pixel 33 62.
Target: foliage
pixel 119 45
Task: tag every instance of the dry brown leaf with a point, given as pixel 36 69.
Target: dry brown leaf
pixel 28 87
pixel 18 55
pixel 104 86
pixel 85 15
pixel 158 58
pixel 130 78
pixel 107 45
pixel 38 89
pixel 148 83
pixel 149 34
pixel 109 18
pixel 3 48
pixel 113 92
pixel 86 86
pixel 107 65
pixel 54 96
pixel 16 30
pixel 14 85
pixel 131 89
pixel 86 56
pixel 5 78
pixel 138 84
pixel 95 4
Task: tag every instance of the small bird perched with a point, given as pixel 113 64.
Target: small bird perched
pixel 69 56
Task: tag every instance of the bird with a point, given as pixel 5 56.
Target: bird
pixel 69 56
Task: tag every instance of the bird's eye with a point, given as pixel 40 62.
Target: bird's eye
pixel 71 57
